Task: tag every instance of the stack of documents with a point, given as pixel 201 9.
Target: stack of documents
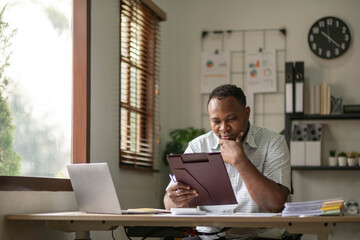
pixel 314 208
pixel 334 207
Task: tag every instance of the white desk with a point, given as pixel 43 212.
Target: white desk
pixel 83 223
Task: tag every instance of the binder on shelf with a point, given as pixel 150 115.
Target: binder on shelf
pixel 299 87
pixel 289 87
pixel 307 96
pixel 328 100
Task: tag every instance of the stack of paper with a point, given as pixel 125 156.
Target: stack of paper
pixel 334 207
pixel 314 208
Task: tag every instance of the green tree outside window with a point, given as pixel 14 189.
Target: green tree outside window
pixel 9 159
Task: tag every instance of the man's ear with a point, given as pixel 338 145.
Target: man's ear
pixel 239 137
pixel 247 112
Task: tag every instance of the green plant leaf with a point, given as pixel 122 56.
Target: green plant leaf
pixel 180 139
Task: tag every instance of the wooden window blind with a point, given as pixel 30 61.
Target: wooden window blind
pixel 139 85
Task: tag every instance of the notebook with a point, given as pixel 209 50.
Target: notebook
pixel 95 192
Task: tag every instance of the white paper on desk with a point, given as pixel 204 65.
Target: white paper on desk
pixel 196 213
pixel 307 208
pixel 241 214
pixel 187 211
pixel 77 213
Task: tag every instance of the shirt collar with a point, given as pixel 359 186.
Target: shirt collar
pixel 214 141
pixel 249 139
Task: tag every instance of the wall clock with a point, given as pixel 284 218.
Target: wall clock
pixel 329 37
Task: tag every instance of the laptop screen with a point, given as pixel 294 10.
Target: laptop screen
pixel 94 188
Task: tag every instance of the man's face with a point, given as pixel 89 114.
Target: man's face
pixel 228 117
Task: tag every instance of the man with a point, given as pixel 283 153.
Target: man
pixel 256 159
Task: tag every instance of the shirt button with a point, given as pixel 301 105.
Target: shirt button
pixel 232 175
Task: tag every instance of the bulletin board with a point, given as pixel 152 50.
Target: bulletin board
pixel 267 108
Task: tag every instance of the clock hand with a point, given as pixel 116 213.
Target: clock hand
pixel 328 32
pixel 332 40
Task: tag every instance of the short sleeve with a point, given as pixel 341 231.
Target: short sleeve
pixel 277 163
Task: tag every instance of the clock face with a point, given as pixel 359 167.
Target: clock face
pixel 329 37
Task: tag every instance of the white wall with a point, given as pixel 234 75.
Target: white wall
pixel 29 202
pixel 182 38
pixel 180 98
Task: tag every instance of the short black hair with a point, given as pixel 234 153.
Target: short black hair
pixel 228 90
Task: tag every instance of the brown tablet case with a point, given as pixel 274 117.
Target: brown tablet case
pixel 206 173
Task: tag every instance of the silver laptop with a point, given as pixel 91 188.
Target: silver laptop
pixel 95 192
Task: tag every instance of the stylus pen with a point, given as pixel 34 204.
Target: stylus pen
pixel 172 178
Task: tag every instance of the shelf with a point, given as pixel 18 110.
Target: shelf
pixel 322 117
pixel 323 168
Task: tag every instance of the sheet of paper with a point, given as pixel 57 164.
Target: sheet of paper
pixel 147 210
pixel 239 214
pixel 261 71
pixel 187 211
pixel 215 70
pixel 196 213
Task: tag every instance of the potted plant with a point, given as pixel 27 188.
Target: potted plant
pixel 180 139
pixel 342 159
pixel 352 159
pixel 332 158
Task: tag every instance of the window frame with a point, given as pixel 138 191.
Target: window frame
pixel 81 108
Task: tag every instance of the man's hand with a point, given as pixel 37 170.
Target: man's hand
pixel 179 195
pixel 232 151
pixel 265 192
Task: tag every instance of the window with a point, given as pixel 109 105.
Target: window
pixel 39 90
pixel 80 122
pixel 139 85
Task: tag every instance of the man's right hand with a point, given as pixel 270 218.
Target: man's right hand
pixel 179 195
